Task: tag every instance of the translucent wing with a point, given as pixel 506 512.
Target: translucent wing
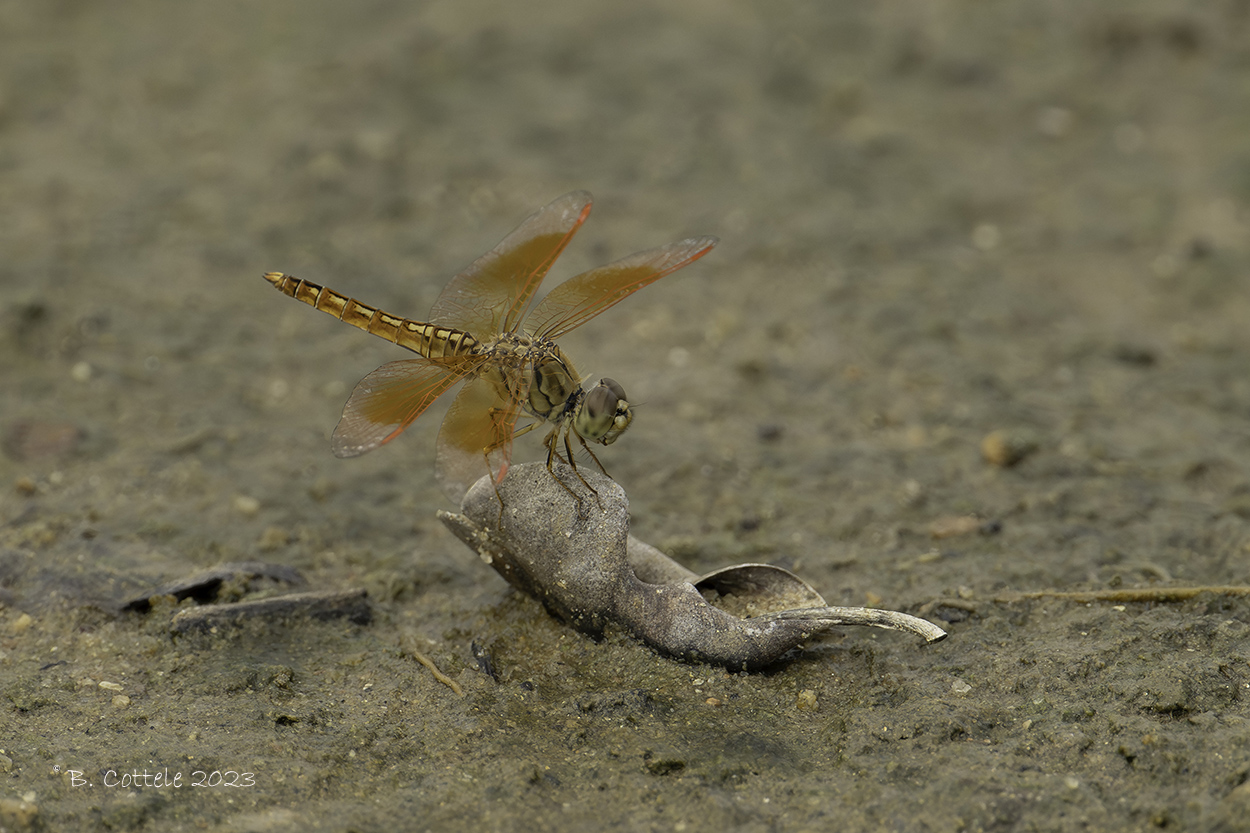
pixel 476 437
pixel 387 401
pixel 492 295
pixel 580 299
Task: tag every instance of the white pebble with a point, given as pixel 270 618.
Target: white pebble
pixel 247 505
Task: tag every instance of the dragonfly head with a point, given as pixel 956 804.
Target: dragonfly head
pixel 604 413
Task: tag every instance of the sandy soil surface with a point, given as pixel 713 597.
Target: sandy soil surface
pixel 939 221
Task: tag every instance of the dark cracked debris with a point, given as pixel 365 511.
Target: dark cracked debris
pixel 352 605
pixel 204 586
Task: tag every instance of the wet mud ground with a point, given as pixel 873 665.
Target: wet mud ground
pixel 938 220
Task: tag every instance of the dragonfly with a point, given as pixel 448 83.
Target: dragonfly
pixel 483 331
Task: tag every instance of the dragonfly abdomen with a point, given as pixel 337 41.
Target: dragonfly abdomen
pixel 428 340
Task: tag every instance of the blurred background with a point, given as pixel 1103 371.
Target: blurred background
pixel 978 259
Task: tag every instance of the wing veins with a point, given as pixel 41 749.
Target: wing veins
pixel 494 292
pixel 581 298
pixel 389 399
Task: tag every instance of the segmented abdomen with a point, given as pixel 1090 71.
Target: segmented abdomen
pixel 428 340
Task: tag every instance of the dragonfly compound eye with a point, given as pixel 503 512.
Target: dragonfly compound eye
pixel 614 386
pixel 604 414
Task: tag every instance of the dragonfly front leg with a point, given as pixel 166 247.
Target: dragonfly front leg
pixel 553 455
pixel 568 449
pixel 586 446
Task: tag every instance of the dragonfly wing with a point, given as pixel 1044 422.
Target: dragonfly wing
pixel 387 401
pixel 476 437
pixel 580 299
pixel 492 295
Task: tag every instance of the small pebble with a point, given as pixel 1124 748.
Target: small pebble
pixel 806 700
pixel 247 505
pixel 19 815
pixel 322 489
pixel 21 624
pixel 111 686
pixel 120 701
pixel 950 526
pixel 1007 448
pixel 273 538
pixel 960 687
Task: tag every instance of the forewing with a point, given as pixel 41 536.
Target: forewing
pixel 387 401
pixel 492 295
pixel 580 299
pixel 476 437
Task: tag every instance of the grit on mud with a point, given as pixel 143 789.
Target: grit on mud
pixel 974 346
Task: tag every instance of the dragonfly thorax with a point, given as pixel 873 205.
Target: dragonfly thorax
pixel 535 372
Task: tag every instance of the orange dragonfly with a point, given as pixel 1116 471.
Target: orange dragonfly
pixel 479 330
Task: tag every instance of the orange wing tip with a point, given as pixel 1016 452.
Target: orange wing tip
pixel 345 448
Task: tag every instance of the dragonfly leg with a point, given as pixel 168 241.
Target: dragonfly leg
pixel 553 455
pixel 568 449
pixel 525 430
pixel 591 453
pixel 500 416
pixel 494 482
